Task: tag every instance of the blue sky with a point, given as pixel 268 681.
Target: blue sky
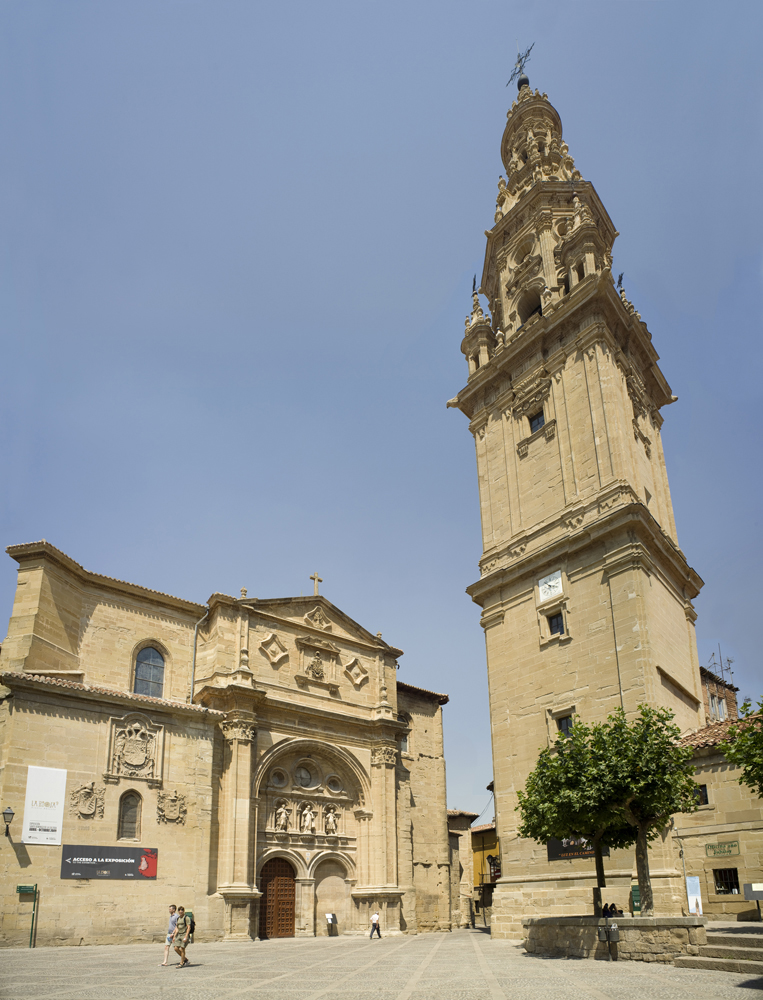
pixel 236 249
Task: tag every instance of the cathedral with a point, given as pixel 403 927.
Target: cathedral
pixel 254 760
pixel 586 595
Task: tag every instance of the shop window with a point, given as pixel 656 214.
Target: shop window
pixel 556 624
pixel 129 817
pixel 149 672
pixel 726 881
pixel 701 793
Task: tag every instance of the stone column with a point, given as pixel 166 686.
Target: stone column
pixel 304 907
pixel 237 839
pixel 384 849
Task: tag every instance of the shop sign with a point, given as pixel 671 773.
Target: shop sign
pixel 726 850
pixel 86 861
pixel 570 847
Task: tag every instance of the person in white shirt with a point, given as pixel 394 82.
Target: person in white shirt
pixel 170 934
pixel 375 925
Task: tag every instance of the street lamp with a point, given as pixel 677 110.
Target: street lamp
pixel 8 815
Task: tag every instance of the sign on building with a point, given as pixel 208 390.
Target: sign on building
pixel 728 849
pixel 78 861
pixel 573 846
pixel 44 805
pixel 694 894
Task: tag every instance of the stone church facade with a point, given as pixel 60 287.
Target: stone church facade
pixel 586 595
pixel 264 748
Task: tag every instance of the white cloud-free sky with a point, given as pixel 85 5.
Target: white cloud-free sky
pixel 236 249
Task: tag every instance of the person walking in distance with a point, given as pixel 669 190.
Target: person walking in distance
pixel 375 925
pixel 170 933
pixel 183 934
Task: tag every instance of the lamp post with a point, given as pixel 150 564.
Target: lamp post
pixel 8 815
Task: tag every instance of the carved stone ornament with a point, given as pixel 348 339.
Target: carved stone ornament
pixel 356 672
pixel 318 619
pixel 238 730
pixel 383 756
pixel 307 818
pixel 171 808
pixel 282 816
pixel 86 802
pixel 314 668
pixel 533 397
pixel 330 822
pixel 136 750
pixel 274 649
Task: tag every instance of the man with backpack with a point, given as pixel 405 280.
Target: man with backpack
pixel 183 936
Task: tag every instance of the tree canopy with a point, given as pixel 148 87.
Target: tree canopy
pixel 618 782
pixel 744 747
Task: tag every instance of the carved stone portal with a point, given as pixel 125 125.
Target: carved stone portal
pixel 136 750
pixel 171 808
pixel 86 802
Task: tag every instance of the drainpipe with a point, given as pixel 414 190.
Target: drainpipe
pixel 193 662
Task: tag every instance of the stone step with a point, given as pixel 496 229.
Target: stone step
pixel 718 964
pixel 735 940
pixel 729 951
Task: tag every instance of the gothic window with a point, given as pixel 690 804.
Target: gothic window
pixel 564 725
pixel 537 420
pixel 129 817
pixel 149 672
pixel 556 624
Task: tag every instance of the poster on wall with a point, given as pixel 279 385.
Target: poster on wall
pixel 44 805
pixel 694 895
pixel 573 846
pixel 86 861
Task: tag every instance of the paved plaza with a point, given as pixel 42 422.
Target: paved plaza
pixel 464 965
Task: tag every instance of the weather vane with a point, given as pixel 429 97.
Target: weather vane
pixel 519 65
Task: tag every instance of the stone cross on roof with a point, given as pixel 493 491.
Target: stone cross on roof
pixel 316 580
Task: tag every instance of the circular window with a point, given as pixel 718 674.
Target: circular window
pixel 303 777
pixel 334 784
pixel 277 778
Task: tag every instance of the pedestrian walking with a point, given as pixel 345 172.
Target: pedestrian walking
pixel 183 935
pixel 375 925
pixel 170 932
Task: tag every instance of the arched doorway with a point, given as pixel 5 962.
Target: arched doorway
pixel 331 896
pixel 277 902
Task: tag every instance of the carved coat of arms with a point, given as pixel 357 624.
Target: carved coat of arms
pixel 171 807
pixel 87 801
pixel 136 750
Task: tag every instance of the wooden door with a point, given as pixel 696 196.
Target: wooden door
pixel 277 902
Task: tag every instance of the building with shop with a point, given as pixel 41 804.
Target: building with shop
pixel 259 756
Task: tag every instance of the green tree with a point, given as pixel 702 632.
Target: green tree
pixel 569 792
pixel 744 747
pixel 651 778
pixel 617 781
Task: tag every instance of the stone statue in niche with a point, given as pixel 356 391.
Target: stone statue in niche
pixel 170 807
pixel 315 667
pixel 307 819
pixel 283 816
pixel 87 801
pixel 330 823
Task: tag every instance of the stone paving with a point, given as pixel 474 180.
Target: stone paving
pixel 463 965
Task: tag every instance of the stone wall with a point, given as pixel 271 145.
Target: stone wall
pixel 642 939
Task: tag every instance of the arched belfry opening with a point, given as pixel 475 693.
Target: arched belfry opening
pixel 529 305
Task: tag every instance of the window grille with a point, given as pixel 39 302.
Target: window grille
pixel 726 881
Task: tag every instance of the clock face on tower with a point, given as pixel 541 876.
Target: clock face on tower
pixel 550 586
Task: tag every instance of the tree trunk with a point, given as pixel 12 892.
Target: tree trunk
pixel 642 869
pixel 601 882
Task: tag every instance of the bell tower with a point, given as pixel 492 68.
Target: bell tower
pixel 586 596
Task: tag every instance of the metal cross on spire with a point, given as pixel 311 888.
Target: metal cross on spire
pixel 519 65
pixel 316 580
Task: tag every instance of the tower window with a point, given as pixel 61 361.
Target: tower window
pixel 129 817
pixel 564 725
pixel 536 422
pixel 726 881
pixel 149 672
pixel 701 794
pixel 556 624
pixel 529 305
pixel 580 271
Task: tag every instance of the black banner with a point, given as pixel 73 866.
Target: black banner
pixel 86 861
pixel 572 847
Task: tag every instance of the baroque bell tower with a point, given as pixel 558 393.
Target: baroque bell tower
pixel 586 596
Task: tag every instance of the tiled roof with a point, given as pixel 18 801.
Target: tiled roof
pixel 712 735
pixel 484 828
pixel 462 812
pixel 443 699
pixel 60 682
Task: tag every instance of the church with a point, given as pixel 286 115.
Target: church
pixel 256 761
